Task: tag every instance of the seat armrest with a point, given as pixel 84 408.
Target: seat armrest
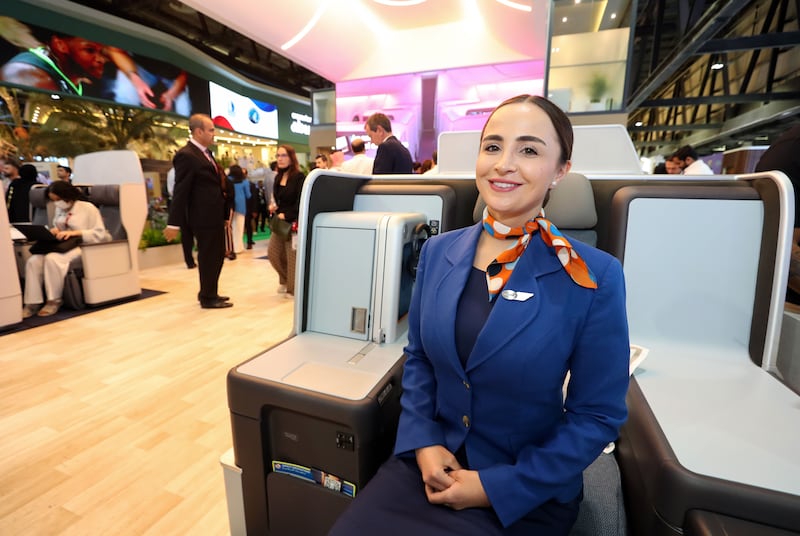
pixel 105 259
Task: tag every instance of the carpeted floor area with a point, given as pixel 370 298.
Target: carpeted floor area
pixel 65 313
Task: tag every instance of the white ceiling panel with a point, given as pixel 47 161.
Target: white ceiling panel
pixel 355 39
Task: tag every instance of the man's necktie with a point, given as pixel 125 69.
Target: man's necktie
pixel 222 178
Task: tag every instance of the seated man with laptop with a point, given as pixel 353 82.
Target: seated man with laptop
pixel 75 221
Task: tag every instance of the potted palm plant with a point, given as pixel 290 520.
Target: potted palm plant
pixel 598 87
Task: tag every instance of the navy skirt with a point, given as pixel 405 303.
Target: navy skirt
pixel 394 503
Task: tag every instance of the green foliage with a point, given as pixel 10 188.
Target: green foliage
pixel 598 86
pixel 153 235
pixel 152 238
pixel 70 127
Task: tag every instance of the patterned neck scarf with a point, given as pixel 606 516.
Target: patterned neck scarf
pixel 499 270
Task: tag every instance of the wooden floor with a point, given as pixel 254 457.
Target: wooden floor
pixel 114 422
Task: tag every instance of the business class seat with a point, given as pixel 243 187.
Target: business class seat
pixel 709 446
pixel 10 291
pixel 571 208
pixel 41 207
pixel 108 270
pixel 265 413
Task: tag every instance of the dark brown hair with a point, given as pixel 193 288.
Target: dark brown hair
pixel 561 122
pixel 379 120
pixel 236 173
pixel 294 167
pixel 64 190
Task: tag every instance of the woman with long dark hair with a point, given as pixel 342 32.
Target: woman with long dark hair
pixel 286 205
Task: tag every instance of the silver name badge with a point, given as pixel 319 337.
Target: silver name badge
pixel 516 295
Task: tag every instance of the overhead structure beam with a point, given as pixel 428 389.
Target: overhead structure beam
pixel 671 128
pixel 755 42
pixel 716 17
pixel 721 99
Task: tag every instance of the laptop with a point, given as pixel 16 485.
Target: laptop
pixel 34 231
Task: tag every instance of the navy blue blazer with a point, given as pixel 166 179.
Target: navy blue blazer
pixel 506 407
pixel 392 157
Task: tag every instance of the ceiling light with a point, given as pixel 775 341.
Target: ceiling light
pixel 515 5
pixel 613 16
pixel 564 19
pixel 717 66
pixel 307 28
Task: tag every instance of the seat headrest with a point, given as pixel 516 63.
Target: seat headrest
pixel 104 194
pixel 38 197
pixel 571 204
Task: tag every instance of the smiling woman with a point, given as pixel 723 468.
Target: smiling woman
pixel 522 306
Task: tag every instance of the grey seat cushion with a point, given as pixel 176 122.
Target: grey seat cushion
pixel 602 512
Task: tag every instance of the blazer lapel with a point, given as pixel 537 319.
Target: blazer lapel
pixel 199 154
pixel 510 317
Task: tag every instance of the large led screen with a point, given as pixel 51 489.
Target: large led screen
pixel 242 114
pixel 54 61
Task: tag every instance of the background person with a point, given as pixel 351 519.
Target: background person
pixel 426 166
pixel 187 238
pixel 435 167
pixel 251 216
pixel 286 207
pixel 336 159
pixel 230 195
pixel 5 180
pixel 392 156
pixel 64 173
pixel 487 444
pixel 241 197
pixel 672 167
pixel 689 161
pixel 22 178
pixel 262 217
pixel 73 217
pixel 360 164
pixel 199 203
pixel 321 161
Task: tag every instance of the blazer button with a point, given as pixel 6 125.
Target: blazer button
pixel 465 420
pixel 466 384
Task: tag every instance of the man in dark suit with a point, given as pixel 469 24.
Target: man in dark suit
pixel 392 156
pixel 199 203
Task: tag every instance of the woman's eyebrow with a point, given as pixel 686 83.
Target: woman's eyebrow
pixel 497 137
pixel 534 139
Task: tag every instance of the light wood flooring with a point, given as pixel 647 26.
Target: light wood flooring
pixel 114 422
